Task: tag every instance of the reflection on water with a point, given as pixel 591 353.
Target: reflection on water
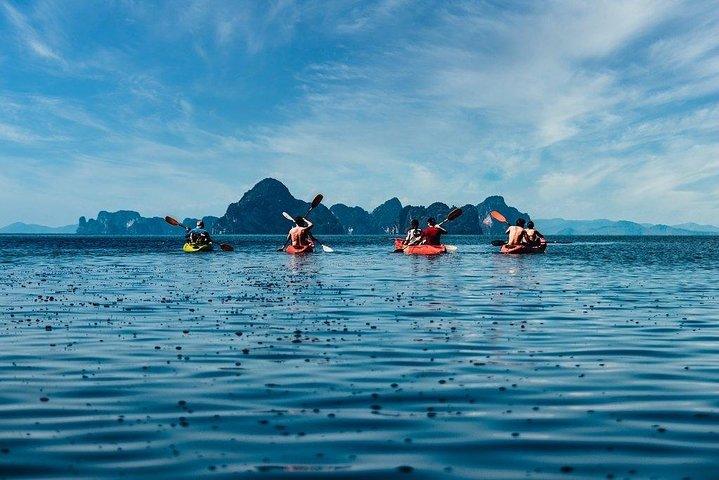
pixel 126 357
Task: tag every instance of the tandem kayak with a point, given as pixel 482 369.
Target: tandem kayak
pixel 425 249
pixel 300 250
pixel 194 248
pixel 517 249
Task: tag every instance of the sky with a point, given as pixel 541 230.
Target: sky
pixel 567 109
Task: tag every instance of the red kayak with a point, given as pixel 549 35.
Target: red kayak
pixel 517 249
pixel 425 249
pixel 399 244
pixel 300 250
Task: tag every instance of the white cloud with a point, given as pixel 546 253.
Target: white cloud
pixel 29 36
pixel 15 134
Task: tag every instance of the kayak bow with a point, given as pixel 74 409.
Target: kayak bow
pixel 194 248
pixel 300 250
pixel 425 249
pixel 518 249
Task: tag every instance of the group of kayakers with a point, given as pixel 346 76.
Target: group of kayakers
pixel 522 237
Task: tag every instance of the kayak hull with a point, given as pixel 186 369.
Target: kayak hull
pixel 300 250
pixel 399 244
pixel 523 249
pixel 425 250
pixel 193 248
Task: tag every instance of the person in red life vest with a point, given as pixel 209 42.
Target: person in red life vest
pixel 432 235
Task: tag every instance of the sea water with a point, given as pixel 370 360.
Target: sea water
pixel 125 357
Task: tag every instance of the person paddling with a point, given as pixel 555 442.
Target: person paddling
pixel 517 234
pixel 198 235
pixel 432 235
pixel 534 237
pixel 414 234
pixel 299 236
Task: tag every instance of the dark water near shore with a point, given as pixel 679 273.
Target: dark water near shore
pixel 127 358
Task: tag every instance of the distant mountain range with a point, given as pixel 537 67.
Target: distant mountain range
pixel 30 228
pixel 127 222
pixel 259 211
pixel 560 226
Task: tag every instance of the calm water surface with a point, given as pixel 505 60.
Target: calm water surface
pixel 127 358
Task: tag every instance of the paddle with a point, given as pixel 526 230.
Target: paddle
pixel 225 247
pixel 499 217
pixel 174 222
pixel 453 215
pixel 502 219
pixel 315 202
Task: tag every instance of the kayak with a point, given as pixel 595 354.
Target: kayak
pixel 194 248
pixel 517 249
pixel 300 250
pixel 425 249
pixel 399 244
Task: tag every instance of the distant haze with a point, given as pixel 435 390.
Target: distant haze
pixel 567 109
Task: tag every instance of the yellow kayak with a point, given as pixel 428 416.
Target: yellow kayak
pixel 193 248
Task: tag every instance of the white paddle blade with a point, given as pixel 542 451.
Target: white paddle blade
pixel 451 248
pixel 288 216
pixel 327 249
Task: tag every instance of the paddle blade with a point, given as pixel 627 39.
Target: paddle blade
pixel 317 200
pixel 456 213
pixel 172 221
pixel 451 248
pixel 327 249
pixel 498 216
pixel 498 243
pixel 288 216
pixel 226 247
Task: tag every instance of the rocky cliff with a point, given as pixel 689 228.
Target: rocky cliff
pixel 124 222
pixel 497 203
pixel 386 216
pixel 259 211
pixel 355 220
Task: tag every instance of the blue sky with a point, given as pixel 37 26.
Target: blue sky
pixel 573 109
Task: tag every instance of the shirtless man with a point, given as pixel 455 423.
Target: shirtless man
pixel 517 234
pixel 534 237
pixel 300 235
